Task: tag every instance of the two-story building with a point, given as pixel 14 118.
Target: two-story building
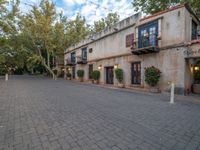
pixel 167 40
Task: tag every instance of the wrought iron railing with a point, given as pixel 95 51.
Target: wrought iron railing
pixel 150 40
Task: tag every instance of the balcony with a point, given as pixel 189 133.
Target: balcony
pixel 70 62
pixel 145 45
pixel 80 60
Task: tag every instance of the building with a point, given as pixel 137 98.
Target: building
pixel 167 40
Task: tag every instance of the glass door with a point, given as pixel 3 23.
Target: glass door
pixel 136 73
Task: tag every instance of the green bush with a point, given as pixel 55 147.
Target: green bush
pixel 69 75
pixel 152 75
pixel 119 75
pixel 3 71
pixel 96 75
pixel 80 73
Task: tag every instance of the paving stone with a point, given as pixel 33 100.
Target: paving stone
pixel 40 113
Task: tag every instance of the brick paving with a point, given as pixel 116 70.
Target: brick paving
pixel 38 113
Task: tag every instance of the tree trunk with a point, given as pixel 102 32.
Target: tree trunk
pixel 49 69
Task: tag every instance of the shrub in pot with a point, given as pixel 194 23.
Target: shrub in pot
pixel 152 77
pixel 69 75
pixel 80 74
pixel 96 76
pixel 119 76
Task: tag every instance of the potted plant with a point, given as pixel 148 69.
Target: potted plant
pixel 152 77
pixel 120 77
pixel 96 76
pixel 68 75
pixel 80 74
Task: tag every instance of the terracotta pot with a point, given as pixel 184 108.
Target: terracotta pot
pixel 68 78
pixel 154 90
pixel 96 81
pixel 120 85
pixel 81 79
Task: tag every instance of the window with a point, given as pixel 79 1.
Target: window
pixel 84 54
pixel 194 30
pixel 136 73
pixel 73 57
pixel 148 34
pixel 129 40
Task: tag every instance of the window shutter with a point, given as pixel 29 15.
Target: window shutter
pixel 129 40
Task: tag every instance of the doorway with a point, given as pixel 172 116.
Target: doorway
pixel 109 75
pixel 136 73
pixel 73 72
pixel 90 71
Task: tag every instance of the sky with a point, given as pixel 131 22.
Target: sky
pixel 92 10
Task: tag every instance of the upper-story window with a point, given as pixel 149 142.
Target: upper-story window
pixel 84 54
pixel 73 57
pixel 147 35
pixel 194 30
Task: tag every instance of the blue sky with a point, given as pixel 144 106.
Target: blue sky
pixel 93 10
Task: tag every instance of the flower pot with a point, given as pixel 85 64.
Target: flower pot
pixel 120 85
pixel 92 81
pixel 196 88
pixel 96 81
pixel 154 90
pixel 68 78
pixel 81 79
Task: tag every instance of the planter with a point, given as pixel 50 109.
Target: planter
pixel 68 78
pixel 154 90
pixel 96 81
pixel 91 81
pixel 120 85
pixel 81 79
pixel 196 88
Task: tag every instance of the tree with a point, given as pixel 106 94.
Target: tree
pixel 76 30
pixel 108 21
pixel 154 6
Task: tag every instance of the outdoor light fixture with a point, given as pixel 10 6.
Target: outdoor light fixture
pixel 196 68
pixel 69 69
pixel 100 66
pixel 116 66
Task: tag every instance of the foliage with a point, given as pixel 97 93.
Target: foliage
pixel 80 73
pixel 152 75
pixel 69 75
pixel 154 6
pixel 96 75
pixel 119 75
pixel 111 19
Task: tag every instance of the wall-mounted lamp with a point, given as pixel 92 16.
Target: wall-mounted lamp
pixel 100 66
pixel 116 66
pixel 196 68
pixel 69 69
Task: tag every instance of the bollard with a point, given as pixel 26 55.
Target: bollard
pixel 172 93
pixel 6 77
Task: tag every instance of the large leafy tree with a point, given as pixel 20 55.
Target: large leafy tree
pixel 108 21
pixel 154 6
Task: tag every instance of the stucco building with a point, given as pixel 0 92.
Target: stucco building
pixel 167 40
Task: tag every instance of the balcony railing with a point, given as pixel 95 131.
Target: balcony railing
pixel 70 62
pixel 145 45
pixel 81 60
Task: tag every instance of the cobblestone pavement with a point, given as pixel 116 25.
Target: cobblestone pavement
pixel 39 113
